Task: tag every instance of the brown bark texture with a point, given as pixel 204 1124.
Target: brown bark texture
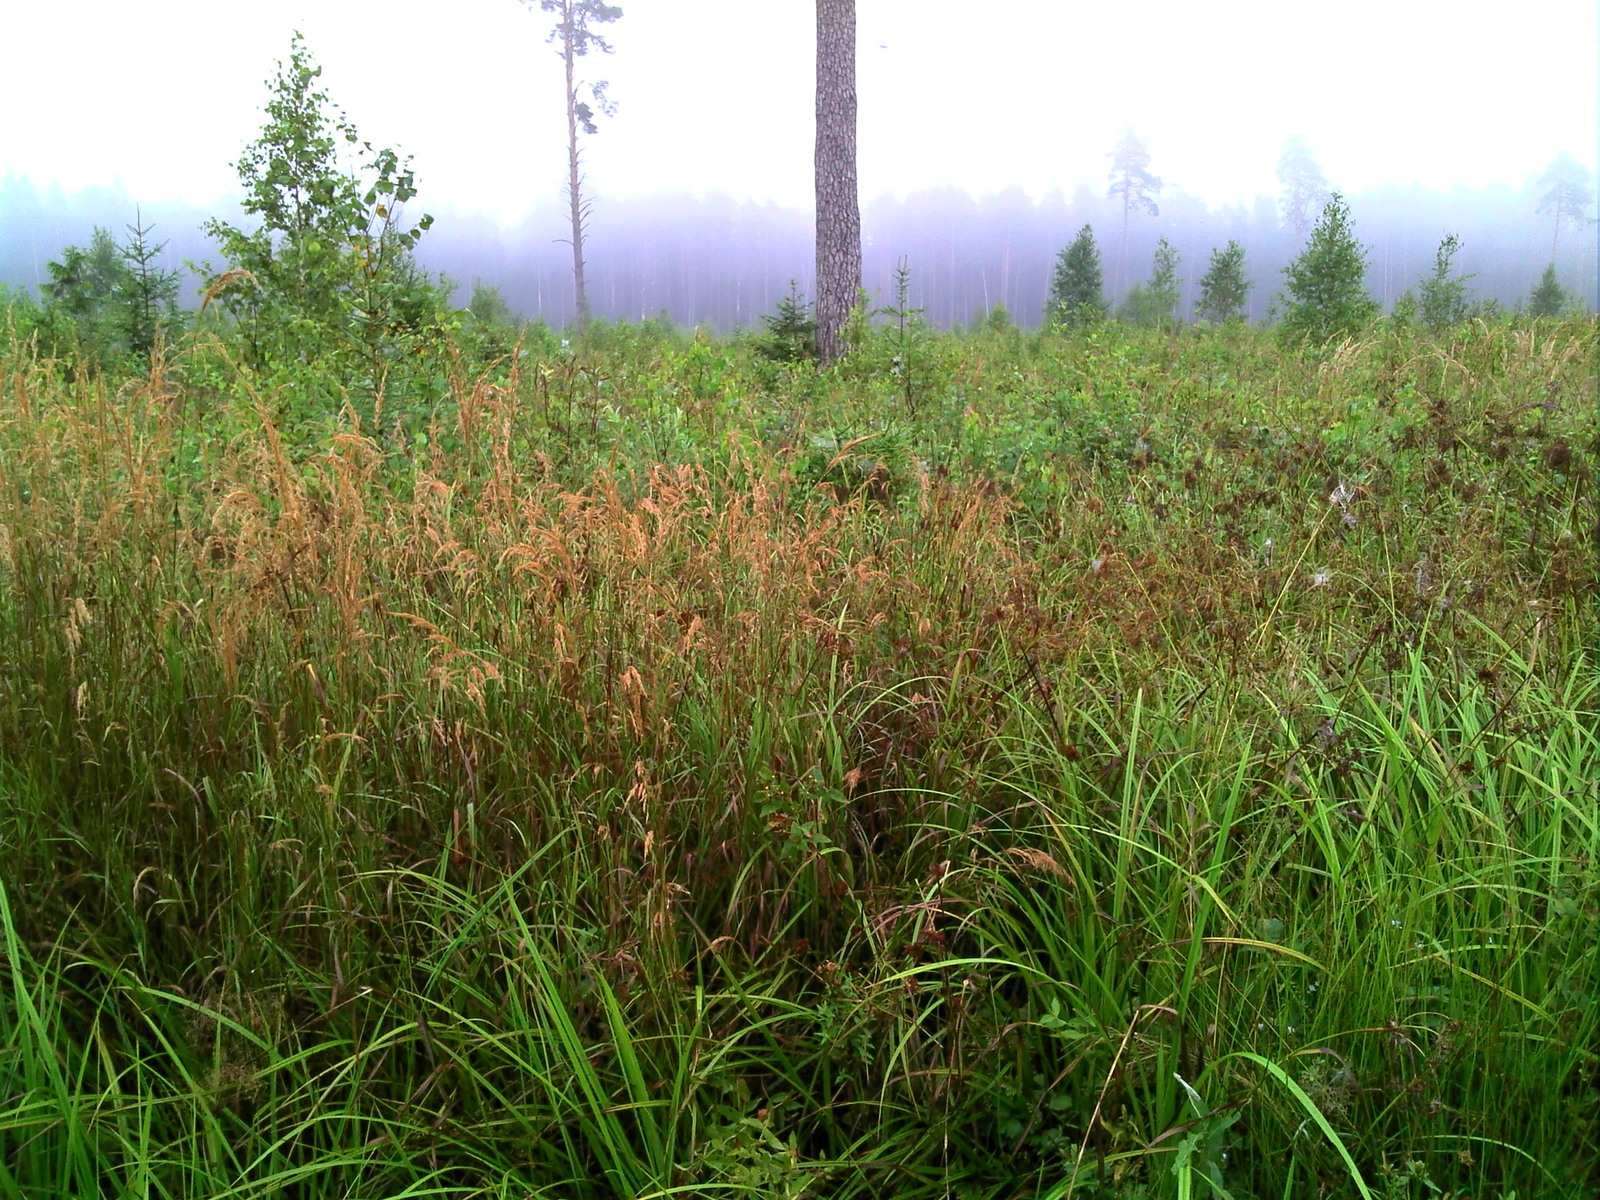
pixel 838 209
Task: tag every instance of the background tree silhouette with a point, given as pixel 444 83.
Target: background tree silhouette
pixel 1305 188
pixel 1567 196
pixel 575 37
pixel 1135 186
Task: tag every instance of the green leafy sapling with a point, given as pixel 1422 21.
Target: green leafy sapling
pixel 1153 302
pixel 1224 286
pixel 1327 291
pixel 1442 296
pixel 327 273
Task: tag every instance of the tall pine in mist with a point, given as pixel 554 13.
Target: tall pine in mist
pixel 1567 196
pixel 1305 188
pixel 1135 186
pixel 575 37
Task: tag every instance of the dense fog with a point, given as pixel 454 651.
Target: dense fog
pixel 723 263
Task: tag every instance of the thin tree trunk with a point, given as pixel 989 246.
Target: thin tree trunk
pixel 574 183
pixel 838 210
pixel 1122 266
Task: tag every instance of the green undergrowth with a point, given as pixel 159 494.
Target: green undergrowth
pixel 1118 765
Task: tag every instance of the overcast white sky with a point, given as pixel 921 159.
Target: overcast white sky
pixel 716 95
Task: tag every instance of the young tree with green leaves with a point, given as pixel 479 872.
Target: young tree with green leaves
pixel 489 320
pixel 838 206
pixel 575 36
pixel 327 274
pixel 488 305
pixel 1076 288
pixel 85 284
pixel 1152 303
pixel 1443 296
pixel 1224 286
pixel 1327 287
pixel 1134 185
pixel 995 320
pixel 1305 188
pixel 116 295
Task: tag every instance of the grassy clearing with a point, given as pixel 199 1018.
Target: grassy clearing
pixel 1123 765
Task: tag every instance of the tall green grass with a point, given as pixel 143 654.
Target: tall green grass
pixel 1161 767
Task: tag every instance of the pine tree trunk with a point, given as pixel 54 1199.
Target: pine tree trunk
pixel 574 183
pixel 1122 265
pixel 838 213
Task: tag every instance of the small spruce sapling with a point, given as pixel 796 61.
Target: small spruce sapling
pixel 907 339
pixel 791 331
pixel 1549 299
pixel 149 300
pixel 1076 295
pixel 116 296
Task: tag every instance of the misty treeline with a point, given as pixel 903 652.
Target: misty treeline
pixel 721 262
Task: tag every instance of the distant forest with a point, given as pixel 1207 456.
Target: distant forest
pixel 723 263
